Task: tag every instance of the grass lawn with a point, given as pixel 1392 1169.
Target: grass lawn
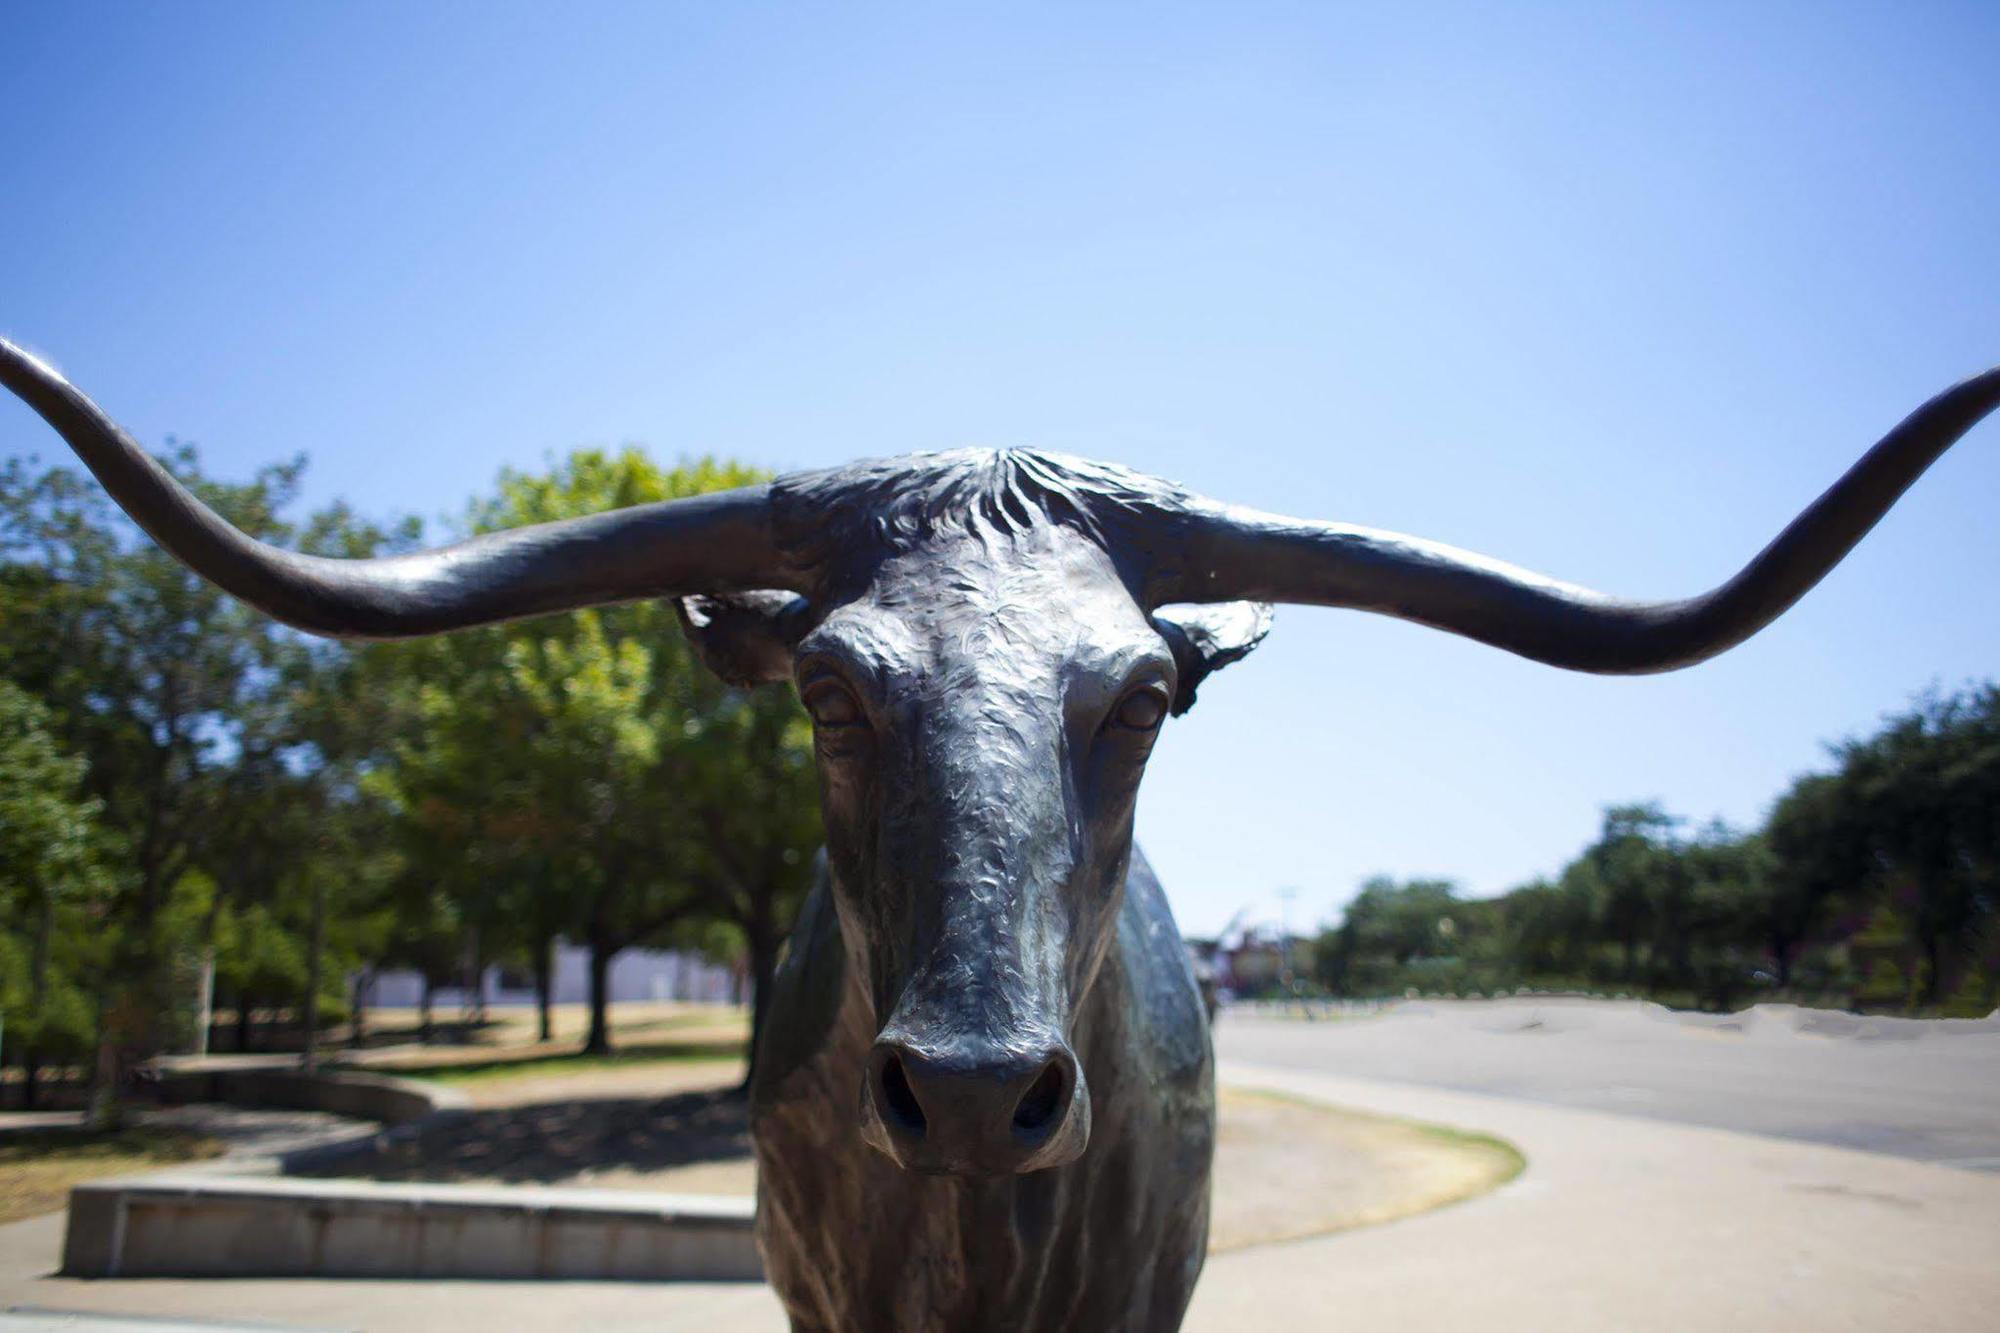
pixel 37 1167
pixel 555 1064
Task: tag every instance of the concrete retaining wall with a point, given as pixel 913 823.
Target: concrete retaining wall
pixel 219 1226
pixel 221 1221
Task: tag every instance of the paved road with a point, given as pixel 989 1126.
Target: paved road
pixel 1928 1091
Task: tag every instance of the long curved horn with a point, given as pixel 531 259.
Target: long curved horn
pixel 1234 554
pixel 704 544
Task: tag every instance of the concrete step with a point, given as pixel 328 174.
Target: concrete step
pixel 192 1225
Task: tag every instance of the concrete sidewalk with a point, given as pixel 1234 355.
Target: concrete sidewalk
pixel 1624 1223
pixel 244 1132
pixel 1618 1223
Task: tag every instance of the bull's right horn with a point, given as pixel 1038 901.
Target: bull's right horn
pixel 1229 554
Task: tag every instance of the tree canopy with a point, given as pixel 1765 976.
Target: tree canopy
pixel 190 790
pixel 1876 883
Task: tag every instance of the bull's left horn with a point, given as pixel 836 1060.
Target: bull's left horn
pixel 704 544
pixel 1232 554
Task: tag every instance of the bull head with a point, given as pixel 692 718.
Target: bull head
pixel 988 644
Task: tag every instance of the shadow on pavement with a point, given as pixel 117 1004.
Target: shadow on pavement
pixel 555 1141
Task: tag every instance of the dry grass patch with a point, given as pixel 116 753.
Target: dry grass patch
pixel 37 1167
pixel 1286 1168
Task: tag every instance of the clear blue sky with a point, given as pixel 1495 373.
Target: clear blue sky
pixel 1606 290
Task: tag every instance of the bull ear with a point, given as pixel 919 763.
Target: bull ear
pixel 746 638
pixel 1207 638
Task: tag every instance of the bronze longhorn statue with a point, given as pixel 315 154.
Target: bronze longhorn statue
pixel 984 1100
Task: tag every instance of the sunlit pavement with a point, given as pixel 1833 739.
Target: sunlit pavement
pixel 1620 1221
pixel 1630 1223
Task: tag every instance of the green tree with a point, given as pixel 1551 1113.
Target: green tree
pixel 1729 875
pixel 218 783
pixel 755 788
pixel 1386 928
pixel 53 887
pixel 1925 794
pixel 1818 858
pixel 1629 878
pixel 149 674
pixel 584 775
pixel 149 671
pixel 1549 931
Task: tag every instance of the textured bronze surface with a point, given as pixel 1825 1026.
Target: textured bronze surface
pixel 984 1099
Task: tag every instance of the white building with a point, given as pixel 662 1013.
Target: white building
pixel 636 974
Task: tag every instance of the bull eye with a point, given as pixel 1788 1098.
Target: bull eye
pixel 831 706
pixel 1141 710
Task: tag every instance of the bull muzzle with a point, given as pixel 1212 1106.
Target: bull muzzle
pixel 975 1109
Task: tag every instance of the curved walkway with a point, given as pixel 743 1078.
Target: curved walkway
pixel 1631 1224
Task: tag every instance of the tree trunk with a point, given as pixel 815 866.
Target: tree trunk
pixel 315 964
pixel 1934 969
pixel 101 1111
pixel 38 989
pixel 204 1037
pixel 245 1018
pixel 601 954
pixel 204 1004
pixel 424 1011
pixel 1781 958
pixel 545 983
pixel 473 1011
pixel 357 1026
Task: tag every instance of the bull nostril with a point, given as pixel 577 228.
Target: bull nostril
pixel 1039 1105
pixel 900 1098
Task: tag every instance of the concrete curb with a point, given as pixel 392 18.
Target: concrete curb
pixel 202 1225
